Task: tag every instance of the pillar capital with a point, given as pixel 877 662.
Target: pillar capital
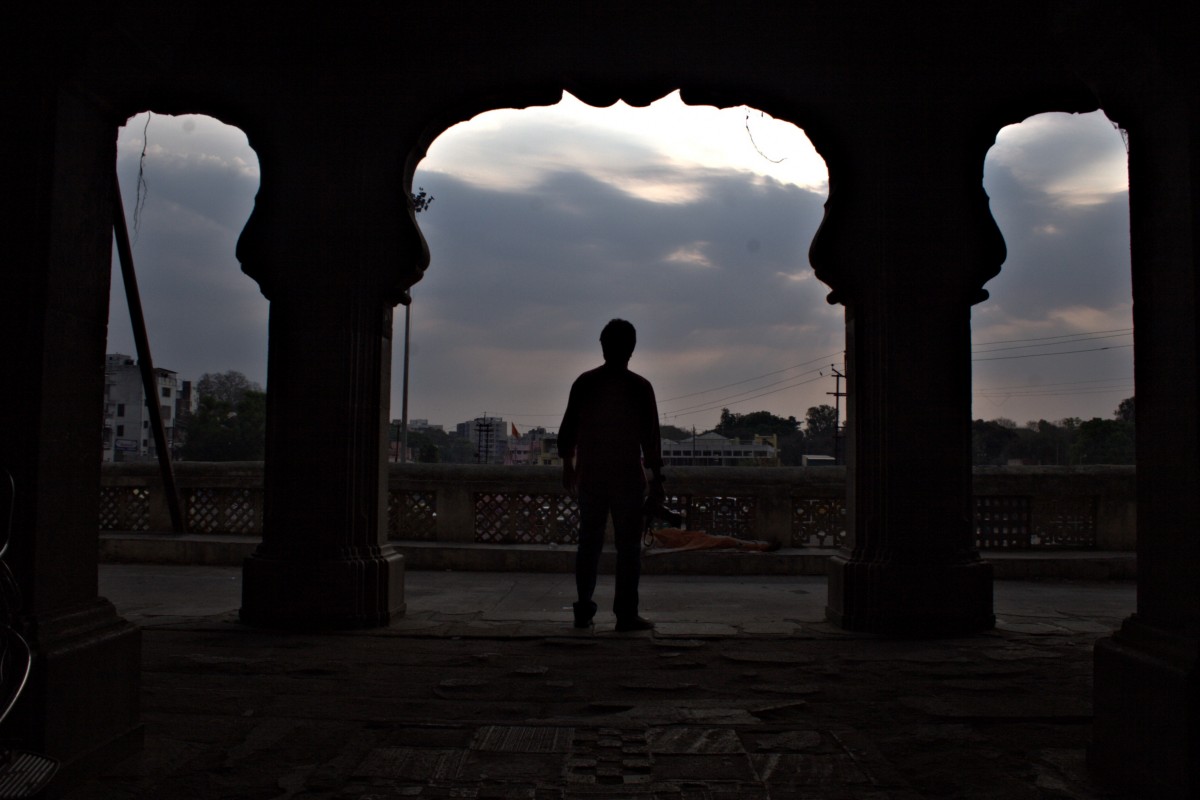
pixel 907 212
pixel 333 218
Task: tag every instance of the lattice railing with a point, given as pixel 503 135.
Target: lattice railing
pixel 1003 522
pixel 818 522
pixel 719 515
pixel 124 508
pixel 1013 508
pixel 224 510
pixel 526 518
pixel 412 515
pixel 1064 522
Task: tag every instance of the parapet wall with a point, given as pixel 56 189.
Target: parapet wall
pixel 1016 508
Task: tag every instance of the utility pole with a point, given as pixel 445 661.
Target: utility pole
pixel 404 402
pixel 483 440
pixel 838 394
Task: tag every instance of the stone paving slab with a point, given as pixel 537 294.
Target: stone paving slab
pixel 448 704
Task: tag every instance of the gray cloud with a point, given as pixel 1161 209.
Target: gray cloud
pixel 525 273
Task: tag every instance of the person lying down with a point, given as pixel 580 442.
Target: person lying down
pixel 674 540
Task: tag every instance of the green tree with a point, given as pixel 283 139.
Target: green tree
pixel 991 440
pixel 1103 441
pixel 1125 411
pixel 1040 442
pixel 221 430
pixel 673 433
pixel 225 387
pixel 756 423
pixel 820 430
pixel 763 423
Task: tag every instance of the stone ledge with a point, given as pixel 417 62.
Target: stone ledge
pixel 217 550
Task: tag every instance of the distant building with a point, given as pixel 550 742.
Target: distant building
pixel 548 455
pixel 490 437
pixel 715 450
pixel 817 461
pixel 126 433
pixel 529 448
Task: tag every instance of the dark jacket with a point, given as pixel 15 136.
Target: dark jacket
pixel 611 429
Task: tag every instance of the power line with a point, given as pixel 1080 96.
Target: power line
pixel 1113 390
pixel 723 404
pixel 821 359
pixel 1061 353
pixel 1054 344
pixel 1061 383
pixel 755 378
pixel 764 386
pixel 1061 336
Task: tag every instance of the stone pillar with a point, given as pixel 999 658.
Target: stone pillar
pixel 907 243
pixel 333 246
pixel 81 705
pixel 1147 681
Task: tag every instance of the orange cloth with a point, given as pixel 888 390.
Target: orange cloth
pixel 676 539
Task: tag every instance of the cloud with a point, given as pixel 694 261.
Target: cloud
pixel 1074 159
pixel 202 313
pixel 553 261
pixel 1057 184
pixel 545 228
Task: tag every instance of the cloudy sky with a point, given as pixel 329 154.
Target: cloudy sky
pixel 691 222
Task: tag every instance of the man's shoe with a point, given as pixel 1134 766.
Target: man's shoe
pixel 584 614
pixel 634 624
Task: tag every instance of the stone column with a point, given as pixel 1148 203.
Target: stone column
pixel 907 243
pixel 1147 681
pixel 333 246
pixel 81 705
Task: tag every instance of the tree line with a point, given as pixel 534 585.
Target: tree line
pixel 229 424
pixel 1069 442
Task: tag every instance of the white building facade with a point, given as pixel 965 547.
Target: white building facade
pixel 127 435
pixel 714 450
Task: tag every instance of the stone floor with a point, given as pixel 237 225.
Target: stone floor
pixel 485 691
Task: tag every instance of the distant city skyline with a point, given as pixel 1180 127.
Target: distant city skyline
pixel 549 221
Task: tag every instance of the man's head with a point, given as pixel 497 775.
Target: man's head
pixel 617 341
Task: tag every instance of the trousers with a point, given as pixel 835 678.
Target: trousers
pixel 594 509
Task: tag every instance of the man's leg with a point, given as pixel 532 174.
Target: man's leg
pixel 627 530
pixel 593 513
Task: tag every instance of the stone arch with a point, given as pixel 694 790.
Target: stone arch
pixel 1034 239
pixel 938 70
pixel 784 226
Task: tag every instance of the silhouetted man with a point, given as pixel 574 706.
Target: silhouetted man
pixel 609 432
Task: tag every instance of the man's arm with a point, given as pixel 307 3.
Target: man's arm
pixel 651 441
pixel 568 436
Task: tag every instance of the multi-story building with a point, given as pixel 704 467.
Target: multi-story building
pixel 529 448
pixel 126 429
pixel 490 437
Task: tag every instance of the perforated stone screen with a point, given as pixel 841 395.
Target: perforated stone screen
pixel 521 518
pixel 1064 522
pixel 1002 521
pixel 225 511
pixel 818 522
pixel 412 515
pixel 124 508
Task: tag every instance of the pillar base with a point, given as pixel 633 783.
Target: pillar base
pixel 910 599
pixel 83 702
pixel 356 592
pixel 1146 705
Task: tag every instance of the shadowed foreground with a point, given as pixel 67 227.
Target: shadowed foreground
pixel 484 690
